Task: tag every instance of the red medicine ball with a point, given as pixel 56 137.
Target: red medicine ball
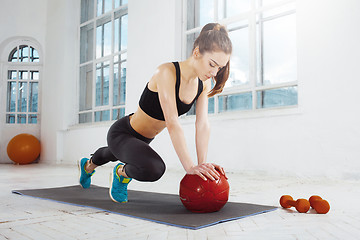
pixel 202 196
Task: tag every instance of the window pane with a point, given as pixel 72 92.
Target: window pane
pixel 211 107
pixel 86 80
pixel 99 40
pixel 23 74
pixel 239 70
pixel 124 56
pixel 242 101
pixel 85 117
pixel 230 8
pixel 118 113
pixel 102 84
pixel 102 116
pixel 124 31
pixel 191 14
pixel 13 56
pixel 277 97
pixel 22 97
pixel 86 43
pixel 117 86
pixel 34 55
pixel 12 74
pixel 21 118
pixel 120 33
pixel 279 50
pixel 98 89
pixel 123 83
pixel 116 34
pixel 107 38
pixel 24 53
pixel 10 118
pixel 11 97
pixel 107 5
pixel 106 78
pixel 87 10
pixel 33 97
pixel 103 37
pixel 199 13
pixel 99 7
pixel 34 75
pixel 32 118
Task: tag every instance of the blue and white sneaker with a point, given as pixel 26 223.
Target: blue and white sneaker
pixel 118 186
pixel 85 177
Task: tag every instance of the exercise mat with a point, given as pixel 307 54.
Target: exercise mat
pixel 156 207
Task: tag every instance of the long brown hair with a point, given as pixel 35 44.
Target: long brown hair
pixel 214 37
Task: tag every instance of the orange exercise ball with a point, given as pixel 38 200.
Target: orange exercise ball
pixel 23 148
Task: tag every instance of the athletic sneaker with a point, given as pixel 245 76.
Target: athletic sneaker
pixel 118 186
pixel 85 177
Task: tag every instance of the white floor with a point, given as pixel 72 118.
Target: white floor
pixel 29 218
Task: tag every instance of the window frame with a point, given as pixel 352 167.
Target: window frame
pixel 114 58
pixel 252 87
pixel 19 66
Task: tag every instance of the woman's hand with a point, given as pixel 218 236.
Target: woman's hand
pixel 207 170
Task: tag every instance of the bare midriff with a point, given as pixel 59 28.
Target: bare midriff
pixel 145 125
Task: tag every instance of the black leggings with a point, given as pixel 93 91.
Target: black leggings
pixel 125 144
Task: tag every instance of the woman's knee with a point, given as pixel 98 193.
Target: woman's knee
pixel 152 171
pixel 102 156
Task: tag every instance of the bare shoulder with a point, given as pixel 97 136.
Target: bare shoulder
pixel 164 73
pixel 166 69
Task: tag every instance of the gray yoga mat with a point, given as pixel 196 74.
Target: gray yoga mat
pixel 156 207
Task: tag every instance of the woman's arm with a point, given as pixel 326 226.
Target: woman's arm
pixel 203 129
pixel 202 124
pixel 165 82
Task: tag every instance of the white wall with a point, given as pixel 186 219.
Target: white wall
pixel 23 18
pixel 321 137
pixel 60 74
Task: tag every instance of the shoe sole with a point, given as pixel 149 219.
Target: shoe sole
pixel 79 172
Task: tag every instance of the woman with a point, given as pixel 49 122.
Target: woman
pixel 170 93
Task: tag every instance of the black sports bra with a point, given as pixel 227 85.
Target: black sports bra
pixel 150 104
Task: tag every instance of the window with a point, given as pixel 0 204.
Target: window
pixel 23 76
pixel 103 48
pixel 263 67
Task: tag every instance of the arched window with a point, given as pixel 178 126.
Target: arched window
pixel 23 75
pixel 24 53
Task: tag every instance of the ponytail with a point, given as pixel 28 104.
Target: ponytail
pixel 220 80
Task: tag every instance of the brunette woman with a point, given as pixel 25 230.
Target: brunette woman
pixel 171 92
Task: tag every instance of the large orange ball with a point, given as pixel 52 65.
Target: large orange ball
pixel 23 148
pixel 202 196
